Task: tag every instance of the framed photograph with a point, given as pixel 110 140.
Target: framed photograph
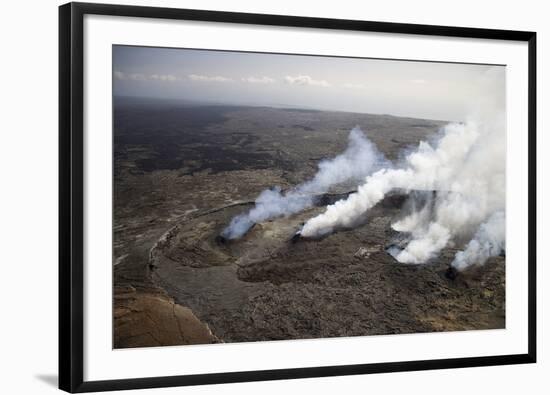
pixel 251 197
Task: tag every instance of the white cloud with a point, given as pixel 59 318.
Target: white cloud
pixel 258 80
pixel 350 85
pixel 206 78
pixel 305 80
pixel 418 81
pixel 129 76
pixel 164 77
pixel 142 77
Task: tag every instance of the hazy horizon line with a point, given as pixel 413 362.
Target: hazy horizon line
pixel 280 106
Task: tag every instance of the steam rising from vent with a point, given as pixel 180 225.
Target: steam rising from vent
pixel 427 168
pixel 488 241
pixel 466 166
pixel 360 159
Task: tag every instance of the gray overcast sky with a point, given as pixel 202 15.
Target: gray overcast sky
pixel 417 89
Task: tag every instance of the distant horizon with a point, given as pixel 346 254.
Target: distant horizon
pixel 423 90
pixel 279 106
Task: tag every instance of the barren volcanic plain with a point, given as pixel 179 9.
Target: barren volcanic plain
pixel 183 170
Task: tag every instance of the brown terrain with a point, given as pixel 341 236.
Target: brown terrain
pixel 182 171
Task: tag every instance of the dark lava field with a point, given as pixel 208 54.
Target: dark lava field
pixel 183 170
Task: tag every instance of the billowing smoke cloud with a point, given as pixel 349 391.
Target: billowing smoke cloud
pixel 488 241
pixel 427 168
pixel 359 159
pixel 466 166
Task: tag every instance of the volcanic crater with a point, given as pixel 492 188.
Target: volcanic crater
pixel 177 282
pixel 266 287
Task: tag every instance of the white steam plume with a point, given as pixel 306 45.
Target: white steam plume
pixel 426 169
pixel 488 241
pixel 466 166
pixel 360 159
pixel 417 219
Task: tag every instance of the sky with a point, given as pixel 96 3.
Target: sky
pixel 431 90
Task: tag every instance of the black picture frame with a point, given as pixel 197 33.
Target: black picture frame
pixel 71 223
